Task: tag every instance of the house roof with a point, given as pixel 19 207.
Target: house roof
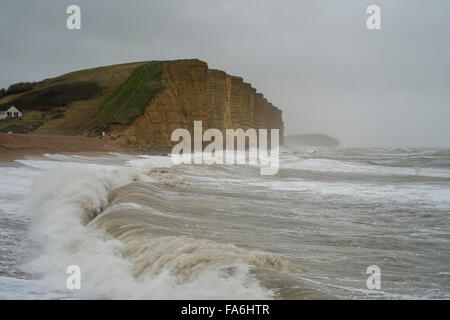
pixel 5 107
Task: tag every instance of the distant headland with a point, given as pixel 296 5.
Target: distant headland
pixel 311 140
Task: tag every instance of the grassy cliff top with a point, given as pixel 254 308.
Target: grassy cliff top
pixel 86 100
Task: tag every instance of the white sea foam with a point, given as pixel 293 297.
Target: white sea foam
pixel 412 194
pixel 330 165
pixel 66 198
pixel 336 226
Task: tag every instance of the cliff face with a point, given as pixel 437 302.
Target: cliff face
pixel 194 92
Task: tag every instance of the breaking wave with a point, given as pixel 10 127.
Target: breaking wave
pixel 140 228
pixel 107 220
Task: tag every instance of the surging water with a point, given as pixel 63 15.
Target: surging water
pixel 141 228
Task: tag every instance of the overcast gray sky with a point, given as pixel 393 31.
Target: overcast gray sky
pixel 314 59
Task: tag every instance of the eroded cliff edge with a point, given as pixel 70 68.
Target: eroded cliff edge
pixel 191 92
pixel 139 104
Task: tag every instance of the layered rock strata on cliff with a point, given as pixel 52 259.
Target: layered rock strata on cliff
pixel 195 92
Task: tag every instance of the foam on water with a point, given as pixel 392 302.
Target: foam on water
pixel 331 165
pixel 140 228
pixel 68 196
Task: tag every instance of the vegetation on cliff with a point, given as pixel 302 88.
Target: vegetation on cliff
pixel 66 104
pixel 57 95
pixel 31 121
pixel 140 104
pixel 193 92
pixel 17 88
pixel 130 99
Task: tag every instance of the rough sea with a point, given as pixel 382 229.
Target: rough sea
pixel 140 228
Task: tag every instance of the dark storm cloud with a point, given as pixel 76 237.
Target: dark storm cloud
pixel 314 59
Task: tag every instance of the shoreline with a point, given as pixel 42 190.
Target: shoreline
pixel 21 146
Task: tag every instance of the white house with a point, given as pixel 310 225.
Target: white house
pixel 9 112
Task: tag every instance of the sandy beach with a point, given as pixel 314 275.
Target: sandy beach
pixel 18 146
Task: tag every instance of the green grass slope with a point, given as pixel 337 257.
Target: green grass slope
pixel 87 100
pixel 129 100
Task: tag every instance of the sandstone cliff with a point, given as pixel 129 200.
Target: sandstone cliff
pixel 191 92
pixel 140 104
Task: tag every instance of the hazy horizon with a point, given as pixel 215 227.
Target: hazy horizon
pixel 315 60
